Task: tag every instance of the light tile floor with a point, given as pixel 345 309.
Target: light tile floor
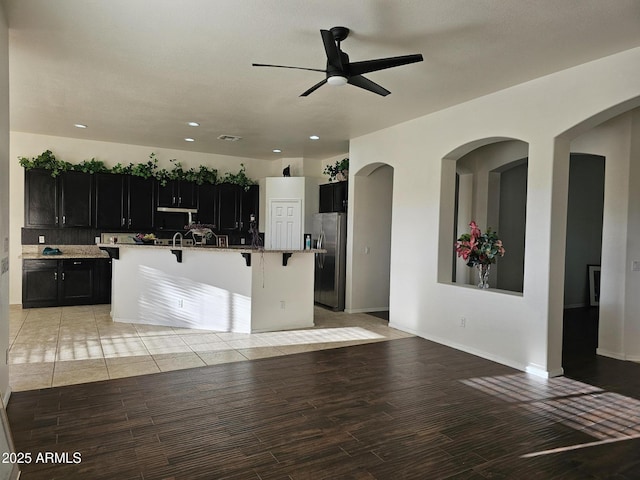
pixel 69 345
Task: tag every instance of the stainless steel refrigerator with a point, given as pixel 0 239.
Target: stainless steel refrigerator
pixel 330 234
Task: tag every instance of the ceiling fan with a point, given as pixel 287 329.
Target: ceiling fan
pixel 340 71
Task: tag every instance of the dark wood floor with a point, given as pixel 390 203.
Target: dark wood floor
pixel 402 409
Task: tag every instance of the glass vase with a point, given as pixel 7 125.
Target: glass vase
pixel 483 275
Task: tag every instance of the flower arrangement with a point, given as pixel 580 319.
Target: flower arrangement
pixel 203 230
pixel 479 248
pixel 147 238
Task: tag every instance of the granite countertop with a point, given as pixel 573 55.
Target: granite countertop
pixel 212 248
pixel 68 251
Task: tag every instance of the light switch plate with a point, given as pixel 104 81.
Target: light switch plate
pixel 635 266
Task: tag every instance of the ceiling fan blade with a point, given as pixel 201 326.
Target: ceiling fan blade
pixel 331 49
pixel 285 66
pixel 359 68
pixel 360 81
pixel 314 88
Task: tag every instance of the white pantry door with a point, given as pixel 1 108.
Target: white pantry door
pixel 286 224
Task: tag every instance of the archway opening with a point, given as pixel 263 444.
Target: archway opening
pixel 369 267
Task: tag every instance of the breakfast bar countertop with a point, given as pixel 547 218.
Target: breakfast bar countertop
pixel 213 248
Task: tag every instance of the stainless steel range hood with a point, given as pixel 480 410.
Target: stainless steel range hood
pixel 188 211
pixel 177 210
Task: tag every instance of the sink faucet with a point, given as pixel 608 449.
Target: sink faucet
pixel 177 235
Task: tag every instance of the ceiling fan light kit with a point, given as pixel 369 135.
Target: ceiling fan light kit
pixel 340 71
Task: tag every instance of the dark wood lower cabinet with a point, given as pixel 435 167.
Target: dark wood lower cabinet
pixel 39 283
pixel 77 281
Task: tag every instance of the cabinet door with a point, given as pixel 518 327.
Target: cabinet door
pixel 187 194
pixel 75 200
pixel 249 206
pixel 340 190
pixel 109 205
pixel 207 204
pixel 333 197
pixel 139 203
pixel 326 198
pixel 229 207
pixel 167 194
pixel 41 199
pixel 76 281
pixel 39 283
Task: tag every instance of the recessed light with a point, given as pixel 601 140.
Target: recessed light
pixel 277 150
pixel 189 139
pixel 79 125
pixel 314 137
pixel 193 124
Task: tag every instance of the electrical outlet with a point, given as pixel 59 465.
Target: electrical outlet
pixel 463 322
pixel 366 250
pixel 40 238
pixel 282 304
pixel 181 303
pixel 97 239
pixel 635 266
pixel 6 244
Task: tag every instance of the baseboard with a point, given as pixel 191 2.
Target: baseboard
pixel 463 348
pixel 532 369
pixel 539 371
pixel 618 356
pixel 366 310
pixel 607 353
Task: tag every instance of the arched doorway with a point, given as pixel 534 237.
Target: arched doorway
pixel 369 239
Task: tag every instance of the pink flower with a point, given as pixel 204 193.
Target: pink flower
pixel 475 231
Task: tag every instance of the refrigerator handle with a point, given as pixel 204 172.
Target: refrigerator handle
pixel 320 256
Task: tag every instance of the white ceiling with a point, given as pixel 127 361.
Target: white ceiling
pixel 136 71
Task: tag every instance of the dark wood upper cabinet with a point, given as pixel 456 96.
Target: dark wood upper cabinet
pixel 249 206
pixel 208 204
pixel 76 198
pixel 235 206
pixel 63 201
pixel 178 193
pixel 123 202
pixel 139 203
pixel 333 197
pixel 229 198
pixel 109 203
pixel 40 199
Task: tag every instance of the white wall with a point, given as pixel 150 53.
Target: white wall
pixel 74 151
pixel 522 331
pixel 4 207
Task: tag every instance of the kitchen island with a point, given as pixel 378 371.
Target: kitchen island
pixel 235 289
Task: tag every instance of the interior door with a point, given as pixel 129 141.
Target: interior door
pixel 286 224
